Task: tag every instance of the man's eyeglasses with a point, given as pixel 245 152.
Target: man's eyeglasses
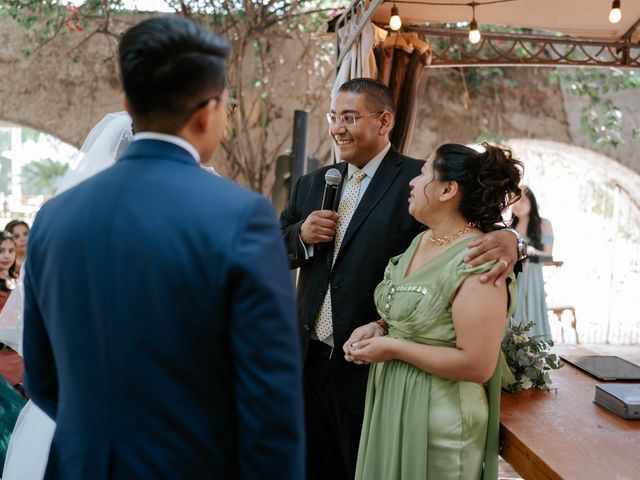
pixel 232 105
pixel 347 118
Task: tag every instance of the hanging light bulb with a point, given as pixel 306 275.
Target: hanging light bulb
pixel 395 22
pixel 615 15
pixel 474 33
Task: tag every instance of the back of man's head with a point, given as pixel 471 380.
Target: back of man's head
pixel 378 95
pixel 169 66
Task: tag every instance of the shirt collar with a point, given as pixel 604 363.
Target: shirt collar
pixel 165 137
pixel 370 168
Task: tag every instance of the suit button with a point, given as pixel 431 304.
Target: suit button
pixel 336 287
pixel 306 327
pixel 320 292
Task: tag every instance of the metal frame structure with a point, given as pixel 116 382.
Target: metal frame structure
pixel 505 49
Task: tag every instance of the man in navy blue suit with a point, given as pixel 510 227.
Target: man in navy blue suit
pixel 160 329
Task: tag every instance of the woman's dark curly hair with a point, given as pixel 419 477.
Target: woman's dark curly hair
pixel 488 181
pixel 534 227
pixel 12 269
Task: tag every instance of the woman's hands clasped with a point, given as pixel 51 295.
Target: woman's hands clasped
pixel 372 350
pixel 367 344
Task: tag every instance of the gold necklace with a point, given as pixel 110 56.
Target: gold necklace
pixel 447 239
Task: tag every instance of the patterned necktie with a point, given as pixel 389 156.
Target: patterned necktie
pixel 348 204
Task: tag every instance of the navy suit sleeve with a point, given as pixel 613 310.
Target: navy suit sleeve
pixel 41 380
pixel 267 354
pixel 290 223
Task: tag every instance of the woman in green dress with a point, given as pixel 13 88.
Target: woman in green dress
pixel 427 413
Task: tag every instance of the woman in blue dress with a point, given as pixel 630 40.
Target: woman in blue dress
pixel 538 232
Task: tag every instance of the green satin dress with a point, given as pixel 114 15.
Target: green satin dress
pixel 417 425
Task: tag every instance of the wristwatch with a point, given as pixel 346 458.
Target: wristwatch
pixel 522 245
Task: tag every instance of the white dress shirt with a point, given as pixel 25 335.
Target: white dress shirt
pixel 165 137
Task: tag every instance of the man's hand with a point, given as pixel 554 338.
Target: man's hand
pixel 11 366
pixel 319 227
pixel 499 245
pixel 364 332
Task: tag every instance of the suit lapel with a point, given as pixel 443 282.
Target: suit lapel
pixel 343 167
pixel 383 178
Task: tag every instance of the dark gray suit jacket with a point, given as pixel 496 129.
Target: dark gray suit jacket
pixel 380 228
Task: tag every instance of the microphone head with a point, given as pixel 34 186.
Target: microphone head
pixel 333 177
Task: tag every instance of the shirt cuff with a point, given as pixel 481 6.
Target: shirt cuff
pixel 308 249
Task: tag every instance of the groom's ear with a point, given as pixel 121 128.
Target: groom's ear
pixel 125 104
pixel 203 118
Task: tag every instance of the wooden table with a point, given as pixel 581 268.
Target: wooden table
pixel 563 435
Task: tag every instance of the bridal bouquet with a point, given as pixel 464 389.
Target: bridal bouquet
pixel 528 358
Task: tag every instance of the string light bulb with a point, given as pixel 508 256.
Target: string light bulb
pixel 615 15
pixel 474 33
pixel 395 22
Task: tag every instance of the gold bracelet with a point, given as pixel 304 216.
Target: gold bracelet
pixel 384 326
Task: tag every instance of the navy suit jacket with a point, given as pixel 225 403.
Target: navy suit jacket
pixel 160 326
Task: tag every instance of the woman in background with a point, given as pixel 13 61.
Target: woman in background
pixel 11 367
pixel 20 231
pixel 538 232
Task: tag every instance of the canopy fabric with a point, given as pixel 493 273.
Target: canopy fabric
pixel 582 19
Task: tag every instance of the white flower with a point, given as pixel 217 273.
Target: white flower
pixel 520 339
pixel 526 382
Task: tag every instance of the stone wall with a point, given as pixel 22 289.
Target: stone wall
pixel 64 91
pixel 58 89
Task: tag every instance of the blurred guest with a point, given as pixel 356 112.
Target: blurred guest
pixel 8 258
pixel 20 231
pixel 427 413
pixel 11 367
pixel 532 304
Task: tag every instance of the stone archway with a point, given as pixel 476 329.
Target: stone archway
pixel 31 165
pixel 593 203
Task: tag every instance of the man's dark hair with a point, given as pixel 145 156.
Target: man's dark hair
pixel 169 66
pixel 378 94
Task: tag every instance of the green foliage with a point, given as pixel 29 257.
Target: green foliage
pixel 489 137
pixel 482 79
pixel 29 134
pixel 601 119
pixel 528 358
pixel 41 177
pixel 5 174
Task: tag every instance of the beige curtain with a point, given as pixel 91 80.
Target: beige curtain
pixel 401 60
pixel 360 60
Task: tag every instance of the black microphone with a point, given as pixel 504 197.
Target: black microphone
pixel 333 177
